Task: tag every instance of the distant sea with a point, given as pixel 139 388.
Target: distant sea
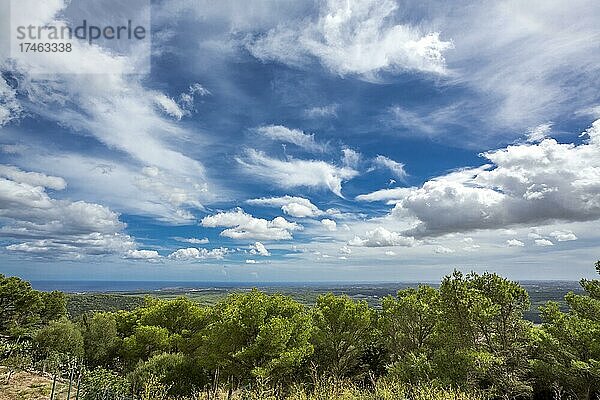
pixel 148 286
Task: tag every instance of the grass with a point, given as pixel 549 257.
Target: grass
pixel 28 386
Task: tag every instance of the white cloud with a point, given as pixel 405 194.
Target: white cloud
pixel 10 108
pixel 350 158
pixel 251 262
pixel 283 134
pixel 295 206
pixel 396 168
pixel 296 173
pixel 530 61
pixel 443 250
pixel 244 226
pixel 358 37
pixel 543 242
pixel 142 255
pixel 392 195
pixel 381 237
pixel 329 224
pixel 192 240
pixel 539 133
pixel 259 249
pixel 194 253
pixel 524 184
pixel 134 123
pixel 32 178
pixel 345 250
pixel 563 236
pixel 514 243
pixel 41 226
pixel 322 112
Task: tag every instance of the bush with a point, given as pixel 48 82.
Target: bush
pixel 102 384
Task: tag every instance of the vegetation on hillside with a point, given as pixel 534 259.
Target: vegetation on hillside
pixel 466 339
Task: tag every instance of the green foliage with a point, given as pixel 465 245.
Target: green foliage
pixel 24 309
pixel 101 341
pixel 568 344
pixel 54 306
pixel 103 384
pixel 84 303
pixel 256 335
pixel 179 374
pixel 408 325
pixel 20 306
pixel 484 329
pixel 146 342
pixel 469 335
pixel 59 343
pixel 343 331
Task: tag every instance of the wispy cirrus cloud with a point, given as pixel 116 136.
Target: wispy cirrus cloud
pixel 295 173
pixel 354 38
pixel 297 137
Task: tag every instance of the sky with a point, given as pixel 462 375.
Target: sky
pixel 329 140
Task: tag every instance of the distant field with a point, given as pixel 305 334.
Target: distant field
pixel 539 291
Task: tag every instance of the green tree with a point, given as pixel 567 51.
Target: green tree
pixel 20 307
pixel 568 344
pixel 408 326
pixel 54 306
pixel 343 331
pixel 180 374
pixel 255 335
pixel 181 317
pixel 61 336
pixel 485 338
pixel 101 342
pixel 145 342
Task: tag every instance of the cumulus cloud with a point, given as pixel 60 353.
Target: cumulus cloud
pixel 396 168
pixel 193 253
pixel 142 255
pixel 358 37
pixel 345 250
pixel 294 173
pixel 41 226
pixel 524 184
pixel 295 206
pixel 514 243
pixel 329 224
pixel 381 237
pixel 563 236
pixel 543 242
pixel 295 136
pixel 244 226
pixel 259 249
pixel 443 250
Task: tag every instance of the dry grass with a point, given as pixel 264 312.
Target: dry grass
pixel 28 386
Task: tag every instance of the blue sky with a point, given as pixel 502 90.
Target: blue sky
pixel 310 141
